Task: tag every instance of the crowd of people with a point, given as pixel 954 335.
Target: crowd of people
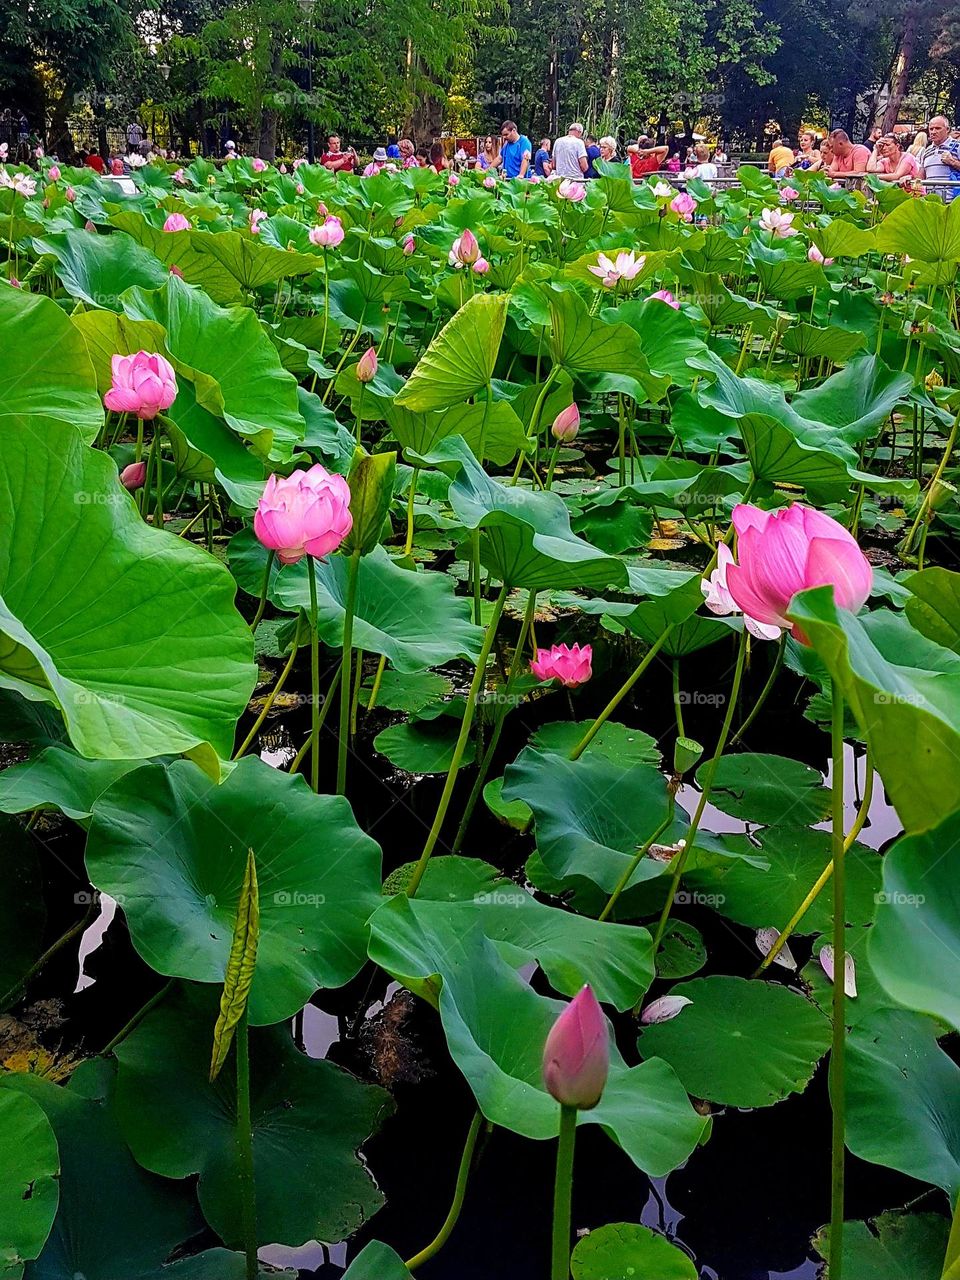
pixel 931 155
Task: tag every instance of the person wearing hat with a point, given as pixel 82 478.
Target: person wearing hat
pixel 377 163
pixel 645 156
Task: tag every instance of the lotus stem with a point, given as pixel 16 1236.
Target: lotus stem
pixel 272 695
pixel 827 872
pixel 951 1263
pixel 681 858
pixel 261 606
pixel 459 1194
pixel 500 716
pixel 345 688
pixel 764 692
pixel 621 693
pixel 931 487
pixel 248 1192
pixel 324 711
pixel 461 745
pixel 314 678
pixel 837 1064
pixel 377 680
pixel 563 1195
pixel 411 497
pixel 636 859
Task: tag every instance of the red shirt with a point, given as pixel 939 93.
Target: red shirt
pixel 345 157
pixel 640 165
pixel 95 162
pixel 854 162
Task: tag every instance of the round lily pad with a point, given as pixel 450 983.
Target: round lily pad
pixel 626 1249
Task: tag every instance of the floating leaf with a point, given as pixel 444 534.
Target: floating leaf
pixel 628 1249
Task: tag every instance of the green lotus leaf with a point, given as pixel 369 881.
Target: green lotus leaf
pixel 895 1246
pixel 99 268
pixel 412 618
pixel 628 1249
pixel 233 364
pixel 124 1235
pixel 924 229
pixel 422 746
pixel 901 688
pixel 770 790
pixel 496 1026
pixel 140 649
pixel 29 1190
pixel 376 1262
pixel 46 376
pixel 903 1098
pixel 740 1043
pixel 58 778
pixel 305 1114
pixel 171 847
pixel 933 605
pixel 460 361
pixel 196 266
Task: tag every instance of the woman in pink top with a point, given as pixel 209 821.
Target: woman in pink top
pixel 890 163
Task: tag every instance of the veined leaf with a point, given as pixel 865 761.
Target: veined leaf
pixel 240 966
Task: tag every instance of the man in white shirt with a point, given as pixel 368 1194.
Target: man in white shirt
pixel 941 159
pixel 570 155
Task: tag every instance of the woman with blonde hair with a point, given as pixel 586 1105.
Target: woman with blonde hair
pixel 489 157
pixel 809 156
pixel 919 143
pixel 608 149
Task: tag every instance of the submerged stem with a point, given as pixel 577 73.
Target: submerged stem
pixel 837 1064
pixel 563 1195
pixel 460 1191
pixel 248 1194
pixel 345 690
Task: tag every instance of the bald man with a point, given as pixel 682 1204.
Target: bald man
pixel 940 159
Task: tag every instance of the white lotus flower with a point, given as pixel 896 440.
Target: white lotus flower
pixel 849 970
pixel 626 266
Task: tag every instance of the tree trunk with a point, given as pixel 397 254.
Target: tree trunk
pixel 269 116
pixel 902 70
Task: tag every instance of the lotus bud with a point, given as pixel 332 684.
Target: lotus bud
pixel 134 476
pixel 367 365
pixel 576 1056
pixel 176 222
pixel 566 424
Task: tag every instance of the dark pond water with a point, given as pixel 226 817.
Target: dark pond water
pixel 744 1206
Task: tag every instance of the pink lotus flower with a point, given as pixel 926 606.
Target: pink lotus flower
pixel 134 476
pixel 814 255
pixel 570 665
pixel 283 168
pixel 367 365
pixel 38 152
pixel 453 180
pixel 717 597
pixel 143 384
pixel 666 296
pixel 175 271
pixel 258 165
pixel 90 226
pixel 778 223
pixel 176 222
pixel 409 245
pixel 256 217
pixel 305 513
pixel 322 209
pixel 572 191
pixel 566 424
pixel 489 182
pixel 782 552
pixel 481 267
pixel 53 173
pixel 683 204
pixel 15 283
pixel 626 266
pixel 70 194
pixel 576 1055
pixel 179 176
pixel 788 194
pixel 298 163
pixel 328 235
pixel 464 251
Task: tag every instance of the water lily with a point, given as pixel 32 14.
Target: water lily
pixel 328 235
pixel 176 222
pixel 576 1055
pixel 664 295
pixel 305 513
pixel 571 190
pixel 143 384
pixel 814 255
pixel 626 266
pixel 570 664
pixel 481 267
pixel 780 553
pixel 70 195
pixel 179 176
pixel 256 217
pixel 489 182
pixel 778 222
pixel 683 204
pixel 717 597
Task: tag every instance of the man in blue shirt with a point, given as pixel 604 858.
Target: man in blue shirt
pixel 593 153
pixel 541 161
pixel 515 152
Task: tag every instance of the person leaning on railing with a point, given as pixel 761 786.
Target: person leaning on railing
pixel 940 159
